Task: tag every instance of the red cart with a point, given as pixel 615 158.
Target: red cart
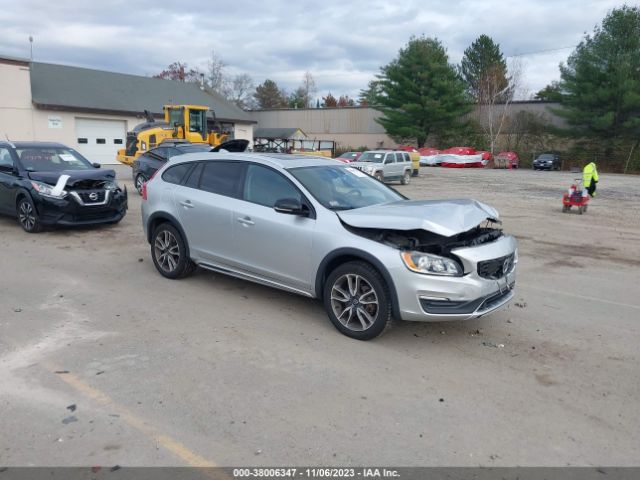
pixel 576 196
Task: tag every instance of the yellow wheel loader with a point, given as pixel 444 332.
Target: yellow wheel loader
pixel 181 122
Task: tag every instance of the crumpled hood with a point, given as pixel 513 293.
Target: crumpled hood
pixel 442 217
pixel 75 176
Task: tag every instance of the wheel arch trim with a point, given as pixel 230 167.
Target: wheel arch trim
pixel 173 221
pixel 351 254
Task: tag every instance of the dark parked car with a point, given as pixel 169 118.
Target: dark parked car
pixel 51 184
pixel 148 163
pixel 547 161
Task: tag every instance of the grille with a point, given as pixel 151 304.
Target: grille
pixel 95 196
pixel 496 268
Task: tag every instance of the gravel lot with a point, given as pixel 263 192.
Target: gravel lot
pixel 104 362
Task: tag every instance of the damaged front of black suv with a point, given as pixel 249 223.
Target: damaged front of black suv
pixel 73 198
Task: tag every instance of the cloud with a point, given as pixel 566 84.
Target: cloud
pixel 343 43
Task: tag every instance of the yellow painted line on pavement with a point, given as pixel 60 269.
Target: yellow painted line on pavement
pixel 581 297
pixel 175 447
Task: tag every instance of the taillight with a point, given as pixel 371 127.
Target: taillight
pixel 144 186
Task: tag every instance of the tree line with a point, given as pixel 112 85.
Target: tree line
pixel 424 98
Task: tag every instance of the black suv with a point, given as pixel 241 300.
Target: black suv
pixel 149 162
pixel 44 183
pixel 547 161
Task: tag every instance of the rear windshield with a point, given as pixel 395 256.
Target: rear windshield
pixel 194 148
pixel 40 159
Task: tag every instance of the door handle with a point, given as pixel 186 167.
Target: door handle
pixel 246 221
pixel 187 204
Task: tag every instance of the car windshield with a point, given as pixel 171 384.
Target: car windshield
pixel 371 157
pixel 344 188
pixel 545 156
pixel 349 155
pixel 54 159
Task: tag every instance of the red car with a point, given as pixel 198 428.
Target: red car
pixel 348 157
pixel 460 151
pixel 507 160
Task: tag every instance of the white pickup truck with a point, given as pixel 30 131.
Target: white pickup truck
pixel 386 166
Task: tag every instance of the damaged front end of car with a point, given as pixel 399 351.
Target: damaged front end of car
pixel 462 262
pixel 78 198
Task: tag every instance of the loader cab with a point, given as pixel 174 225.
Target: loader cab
pixel 189 122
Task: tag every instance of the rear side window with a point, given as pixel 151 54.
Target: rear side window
pixel 176 173
pixel 399 157
pixel 222 178
pixel 193 180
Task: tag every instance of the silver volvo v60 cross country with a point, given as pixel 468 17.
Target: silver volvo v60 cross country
pixel 319 228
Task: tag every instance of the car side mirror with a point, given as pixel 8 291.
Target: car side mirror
pixel 96 165
pixel 291 206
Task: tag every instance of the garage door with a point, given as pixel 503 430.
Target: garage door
pixel 99 140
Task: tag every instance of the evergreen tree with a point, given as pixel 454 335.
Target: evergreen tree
pixel 601 82
pixel 268 95
pixel 419 93
pixel 484 70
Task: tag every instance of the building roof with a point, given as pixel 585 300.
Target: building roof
pixel 65 87
pixel 14 60
pixel 279 133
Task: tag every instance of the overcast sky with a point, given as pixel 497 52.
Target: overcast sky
pixel 342 43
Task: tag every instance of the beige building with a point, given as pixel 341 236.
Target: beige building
pixel 92 110
pixel 349 127
pixel 353 127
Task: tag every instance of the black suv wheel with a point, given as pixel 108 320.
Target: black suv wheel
pixel 169 252
pixel 357 300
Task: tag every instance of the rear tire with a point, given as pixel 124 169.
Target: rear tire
pixel 27 216
pixel 140 180
pixel 169 253
pixel 565 208
pixel 406 178
pixel 357 300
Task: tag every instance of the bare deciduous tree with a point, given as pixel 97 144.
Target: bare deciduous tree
pixel 309 88
pixel 216 77
pixel 493 100
pixel 240 90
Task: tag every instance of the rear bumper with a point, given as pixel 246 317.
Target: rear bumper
pixel 68 212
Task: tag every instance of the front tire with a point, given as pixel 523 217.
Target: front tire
pixel 169 252
pixel 27 216
pixel 357 300
pixel 406 178
pixel 379 176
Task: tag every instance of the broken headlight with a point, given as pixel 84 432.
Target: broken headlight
pixel 111 185
pixel 431 264
pixel 47 190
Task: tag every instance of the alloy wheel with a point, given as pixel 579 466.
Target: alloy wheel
pixel 167 251
pixel 140 179
pixel 354 302
pixel 26 215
